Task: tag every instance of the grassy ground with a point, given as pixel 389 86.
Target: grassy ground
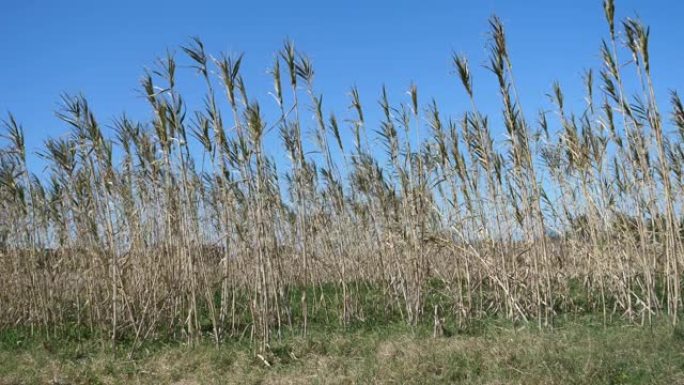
pixel 487 352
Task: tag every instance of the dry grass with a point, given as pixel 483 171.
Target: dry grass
pixel 494 354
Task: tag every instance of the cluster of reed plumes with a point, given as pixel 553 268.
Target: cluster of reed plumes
pixel 131 235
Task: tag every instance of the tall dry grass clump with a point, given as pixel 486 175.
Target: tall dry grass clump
pixel 184 226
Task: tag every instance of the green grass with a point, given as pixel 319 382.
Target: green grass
pixel 487 352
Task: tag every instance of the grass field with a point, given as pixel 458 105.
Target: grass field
pixel 578 351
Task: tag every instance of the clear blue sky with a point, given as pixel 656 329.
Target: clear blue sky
pixel 101 48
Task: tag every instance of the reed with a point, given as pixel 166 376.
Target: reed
pixel 570 212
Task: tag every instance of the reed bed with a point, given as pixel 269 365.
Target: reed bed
pixel 183 226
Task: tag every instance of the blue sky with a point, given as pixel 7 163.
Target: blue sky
pixel 101 48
